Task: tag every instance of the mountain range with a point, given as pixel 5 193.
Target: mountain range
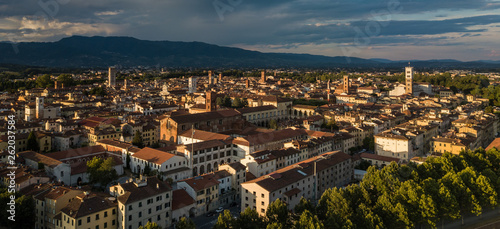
pixel 98 52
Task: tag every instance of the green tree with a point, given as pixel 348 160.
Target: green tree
pixel 274 225
pixel 147 169
pixel 41 165
pixel 225 220
pixel 150 225
pixel 101 171
pixel 488 109
pixel 369 143
pixel 32 144
pixel 277 211
pixel 308 221
pixel 65 79
pixel 304 204
pixel 219 101
pixel 44 81
pixel 25 209
pixel 137 141
pixel 127 160
pixel 185 223
pixel 273 124
pixel 249 219
pixel 227 101
pixel 237 103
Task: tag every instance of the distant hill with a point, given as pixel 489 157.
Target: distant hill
pixel 79 51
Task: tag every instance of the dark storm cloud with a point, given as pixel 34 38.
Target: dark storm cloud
pixel 283 23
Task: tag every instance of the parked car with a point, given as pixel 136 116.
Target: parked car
pixel 219 210
pixel 210 214
pixel 233 204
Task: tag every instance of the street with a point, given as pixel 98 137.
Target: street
pixel 204 222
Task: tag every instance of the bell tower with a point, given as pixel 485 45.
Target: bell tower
pixel 409 80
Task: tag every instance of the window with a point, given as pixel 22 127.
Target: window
pixel 140 204
pixel 130 218
pixel 97 227
pixel 88 219
pixel 113 222
pixel 114 211
pixel 97 217
pixel 79 222
pixel 140 214
pixel 105 214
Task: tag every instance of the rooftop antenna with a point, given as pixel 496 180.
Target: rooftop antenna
pixel 409 64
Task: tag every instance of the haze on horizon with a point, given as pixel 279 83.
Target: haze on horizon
pixel 391 29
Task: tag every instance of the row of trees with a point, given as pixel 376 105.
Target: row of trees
pixel 236 103
pixel 397 196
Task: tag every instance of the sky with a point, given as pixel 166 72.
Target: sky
pixel 389 29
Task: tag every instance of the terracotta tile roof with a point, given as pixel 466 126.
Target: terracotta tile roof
pixel 54 193
pixel 115 143
pixel 153 155
pixel 206 116
pixel 237 166
pixel 79 152
pixel 134 193
pixel 180 199
pixel 205 145
pixel 34 156
pixel 201 182
pixel 204 135
pixel 300 170
pixel 494 144
pixel 262 138
pixel 292 192
pixel 221 174
pixel 86 205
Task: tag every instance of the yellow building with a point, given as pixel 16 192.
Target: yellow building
pixel 103 134
pixel 453 145
pixel 89 211
pixel 142 201
pixel 204 190
pixel 49 204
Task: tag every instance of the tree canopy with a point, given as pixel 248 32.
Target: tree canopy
pixel 101 171
pixel 396 196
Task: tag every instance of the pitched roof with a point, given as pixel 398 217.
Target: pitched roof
pixel 293 173
pixel 204 135
pixel 180 199
pixel 76 152
pixel 153 155
pixel 86 205
pixel 201 182
pixel 34 156
pixel 135 193
pixel 494 144
pixel 205 116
